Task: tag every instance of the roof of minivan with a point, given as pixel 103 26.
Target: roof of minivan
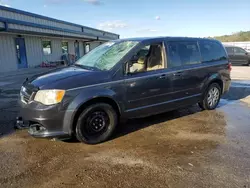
pixel 167 38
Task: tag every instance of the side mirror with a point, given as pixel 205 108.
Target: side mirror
pixel 246 53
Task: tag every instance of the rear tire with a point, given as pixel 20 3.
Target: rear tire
pixel 96 123
pixel 211 97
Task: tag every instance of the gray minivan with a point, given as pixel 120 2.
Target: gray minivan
pixel 122 79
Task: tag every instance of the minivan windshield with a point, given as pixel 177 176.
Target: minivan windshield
pixel 106 56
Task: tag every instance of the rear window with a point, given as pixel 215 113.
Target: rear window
pixel 183 53
pixel 212 51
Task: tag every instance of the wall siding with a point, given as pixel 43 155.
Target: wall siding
pixel 94 45
pixel 33 37
pixel 53 23
pixel 71 47
pixel 81 48
pixel 46 31
pixel 17 16
pixel 8 60
pixel 34 51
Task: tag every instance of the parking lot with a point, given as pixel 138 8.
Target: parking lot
pixel 183 148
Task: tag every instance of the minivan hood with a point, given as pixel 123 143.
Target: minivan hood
pixel 64 78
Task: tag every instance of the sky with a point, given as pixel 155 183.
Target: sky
pixel 142 18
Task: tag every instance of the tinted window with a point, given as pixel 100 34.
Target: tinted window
pixel 183 53
pixel 212 51
pixel 239 51
pixel 230 50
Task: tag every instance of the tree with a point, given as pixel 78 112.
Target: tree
pixel 235 37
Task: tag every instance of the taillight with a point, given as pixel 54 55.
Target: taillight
pixel 229 66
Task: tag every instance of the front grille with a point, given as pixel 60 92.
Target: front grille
pixel 25 94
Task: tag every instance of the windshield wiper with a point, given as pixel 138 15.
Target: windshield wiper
pixel 78 65
pixel 94 68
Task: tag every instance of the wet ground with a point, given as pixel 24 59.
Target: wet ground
pixel 182 148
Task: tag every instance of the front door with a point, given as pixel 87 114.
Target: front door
pixel 147 84
pixel 21 53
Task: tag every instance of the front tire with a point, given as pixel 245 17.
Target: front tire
pixel 211 98
pixel 96 123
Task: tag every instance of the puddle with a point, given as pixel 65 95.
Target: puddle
pixel 237 116
pixel 239 89
pixel 241 83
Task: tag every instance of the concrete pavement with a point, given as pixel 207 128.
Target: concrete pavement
pixel 182 148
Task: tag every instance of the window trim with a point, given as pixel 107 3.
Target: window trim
pixel 183 65
pixel 215 42
pixel 162 43
pixel 236 47
pixel 47 40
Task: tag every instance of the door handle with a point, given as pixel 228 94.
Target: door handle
pixel 163 76
pixel 177 73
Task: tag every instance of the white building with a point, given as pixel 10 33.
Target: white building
pixel 27 39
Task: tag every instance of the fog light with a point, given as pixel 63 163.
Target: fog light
pixel 36 128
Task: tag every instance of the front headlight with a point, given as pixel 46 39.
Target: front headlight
pixel 49 97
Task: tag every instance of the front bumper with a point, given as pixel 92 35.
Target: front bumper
pixel 44 121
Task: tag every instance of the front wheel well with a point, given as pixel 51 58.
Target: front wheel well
pixel 94 101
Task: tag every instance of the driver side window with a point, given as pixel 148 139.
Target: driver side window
pixel 148 58
pixel 239 51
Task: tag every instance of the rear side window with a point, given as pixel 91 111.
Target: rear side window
pixel 183 53
pixel 212 51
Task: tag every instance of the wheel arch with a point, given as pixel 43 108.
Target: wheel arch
pixel 219 82
pixel 213 79
pixel 84 105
